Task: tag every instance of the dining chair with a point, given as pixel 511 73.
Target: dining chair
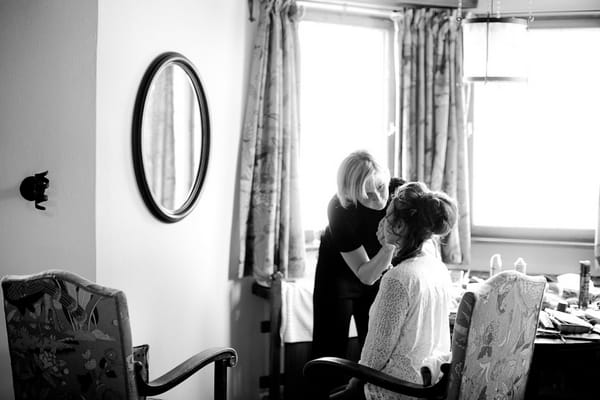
pixel 70 338
pixel 492 346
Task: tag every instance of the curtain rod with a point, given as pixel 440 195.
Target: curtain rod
pixel 348 4
pixel 379 9
pixel 349 8
pixel 391 5
pixel 386 11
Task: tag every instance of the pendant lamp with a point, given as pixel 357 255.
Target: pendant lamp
pixel 495 49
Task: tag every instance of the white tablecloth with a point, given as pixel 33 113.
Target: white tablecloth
pixel 297 311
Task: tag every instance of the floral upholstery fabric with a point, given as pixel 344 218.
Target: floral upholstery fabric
pixel 68 338
pixel 493 338
pixel 460 335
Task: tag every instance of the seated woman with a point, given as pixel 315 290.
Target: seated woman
pixel 408 321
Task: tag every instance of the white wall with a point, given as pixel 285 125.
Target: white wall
pixel 69 74
pixel 47 122
pixel 176 276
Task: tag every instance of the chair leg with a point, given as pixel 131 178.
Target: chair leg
pixel 221 379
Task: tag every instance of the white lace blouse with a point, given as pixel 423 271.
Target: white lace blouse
pixel 408 323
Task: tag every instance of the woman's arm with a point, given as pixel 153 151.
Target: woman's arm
pixel 388 314
pixel 368 270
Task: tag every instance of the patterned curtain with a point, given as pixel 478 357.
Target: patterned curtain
pixel 432 138
pixel 271 235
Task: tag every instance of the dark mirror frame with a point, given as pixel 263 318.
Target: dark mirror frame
pixel 153 70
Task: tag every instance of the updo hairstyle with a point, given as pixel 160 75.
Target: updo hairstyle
pixel 416 214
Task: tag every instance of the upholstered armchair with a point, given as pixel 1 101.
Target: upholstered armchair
pixel 492 346
pixel 70 338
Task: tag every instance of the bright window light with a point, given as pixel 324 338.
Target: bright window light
pixel 536 146
pixel 344 106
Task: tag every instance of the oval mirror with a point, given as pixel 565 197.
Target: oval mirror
pixel 171 134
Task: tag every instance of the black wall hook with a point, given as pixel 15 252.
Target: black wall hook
pixel 33 187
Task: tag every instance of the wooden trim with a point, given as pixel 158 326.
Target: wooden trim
pixel 579 237
pixel 275 302
pixel 554 14
pixel 274 295
pixel 395 4
pixel 431 3
pixel 371 18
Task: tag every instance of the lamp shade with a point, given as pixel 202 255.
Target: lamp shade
pixel 494 49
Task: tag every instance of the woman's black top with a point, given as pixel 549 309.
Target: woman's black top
pixel 348 229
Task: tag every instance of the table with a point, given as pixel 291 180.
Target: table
pixel 564 370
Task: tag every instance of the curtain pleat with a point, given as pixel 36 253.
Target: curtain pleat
pixel 271 235
pixel 431 116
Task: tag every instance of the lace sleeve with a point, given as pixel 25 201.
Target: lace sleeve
pixel 385 323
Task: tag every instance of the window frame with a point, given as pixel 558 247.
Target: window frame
pixel 483 233
pixel 369 18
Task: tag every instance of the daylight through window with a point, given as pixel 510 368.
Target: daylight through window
pixel 344 106
pixel 536 146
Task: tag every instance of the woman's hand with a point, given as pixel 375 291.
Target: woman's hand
pixel 386 235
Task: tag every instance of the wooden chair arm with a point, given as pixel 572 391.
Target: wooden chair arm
pixel 317 367
pixel 221 356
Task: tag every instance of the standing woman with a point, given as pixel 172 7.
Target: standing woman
pixel 351 260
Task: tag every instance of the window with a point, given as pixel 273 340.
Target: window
pixel 536 146
pixel 345 102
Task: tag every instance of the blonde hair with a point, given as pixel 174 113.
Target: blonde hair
pixel 355 172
